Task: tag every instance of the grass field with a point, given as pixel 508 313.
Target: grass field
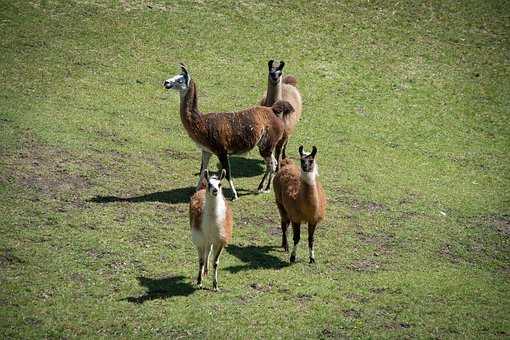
pixel 408 103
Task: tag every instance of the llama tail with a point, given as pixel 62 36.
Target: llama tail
pixel 282 108
pixel 291 80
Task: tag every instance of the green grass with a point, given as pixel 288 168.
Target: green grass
pixel 408 103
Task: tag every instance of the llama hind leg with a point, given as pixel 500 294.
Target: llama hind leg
pixel 225 164
pixel 296 235
pixel 269 174
pixel 206 156
pixel 217 252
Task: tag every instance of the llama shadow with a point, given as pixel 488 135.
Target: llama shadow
pixel 180 195
pixel 255 257
pixel 242 167
pixel 246 167
pixel 163 288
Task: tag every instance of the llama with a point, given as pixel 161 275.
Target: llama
pixel 228 133
pixel 300 199
pixel 283 88
pixel 211 223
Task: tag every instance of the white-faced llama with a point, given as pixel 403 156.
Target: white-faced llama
pixel 300 199
pixel 228 133
pixel 211 223
pixel 283 88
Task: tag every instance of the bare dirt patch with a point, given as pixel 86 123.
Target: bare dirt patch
pixel 8 258
pixel 365 265
pixel 382 241
pixel 44 170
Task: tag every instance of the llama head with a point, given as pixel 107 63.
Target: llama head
pixel 275 70
pixel 213 182
pixel 180 82
pixel 308 164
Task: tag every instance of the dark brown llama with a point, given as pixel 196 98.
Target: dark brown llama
pixel 227 133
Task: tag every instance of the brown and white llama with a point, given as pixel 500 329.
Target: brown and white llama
pixel 300 199
pixel 211 223
pixel 283 88
pixel 227 133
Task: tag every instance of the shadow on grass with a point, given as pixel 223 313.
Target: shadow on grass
pixel 163 288
pixel 180 195
pixel 255 257
pixel 242 167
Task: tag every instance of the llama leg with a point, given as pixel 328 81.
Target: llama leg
pixel 284 148
pixel 273 167
pixel 284 225
pixel 225 164
pixel 311 231
pixel 217 251
pixel 206 156
pixel 296 234
pixel 285 243
pixel 207 251
pixel 270 170
pixel 278 152
pixel 200 266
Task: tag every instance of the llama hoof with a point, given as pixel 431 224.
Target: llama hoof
pixel 292 258
pixel 285 248
pixel 312 260
pixel 199 285
pixel 206 272
pixel 215 287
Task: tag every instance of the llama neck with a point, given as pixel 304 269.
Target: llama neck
pixel 274 91
pixel 189 107
pixel 215 205
pixel 309 187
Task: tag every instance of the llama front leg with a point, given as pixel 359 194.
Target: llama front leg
pixel 207 251
pixel 225 164
pixel 311 231
pixel 296 235
pixel 200 266
pixel 206 156
pixel 270 170
pixel 217 251
pixel 284 225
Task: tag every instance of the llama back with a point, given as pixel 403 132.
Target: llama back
pixel 291 94
pixel 291 80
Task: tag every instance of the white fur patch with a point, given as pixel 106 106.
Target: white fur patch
pixel 309 177
pixel 214 215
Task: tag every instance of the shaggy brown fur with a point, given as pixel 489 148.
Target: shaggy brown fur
pixel 228 133
pixel 283 88
pixel 299 201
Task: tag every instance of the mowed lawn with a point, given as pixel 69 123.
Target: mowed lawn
pixel 408 103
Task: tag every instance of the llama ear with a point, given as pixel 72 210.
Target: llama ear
pixel 223 174
pixel 185 72
pixel 301 151
pixel 205 174
pixel 314 151
pixel 270 64
pixel 282 64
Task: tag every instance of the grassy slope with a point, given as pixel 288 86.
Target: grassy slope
pixel 407 104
